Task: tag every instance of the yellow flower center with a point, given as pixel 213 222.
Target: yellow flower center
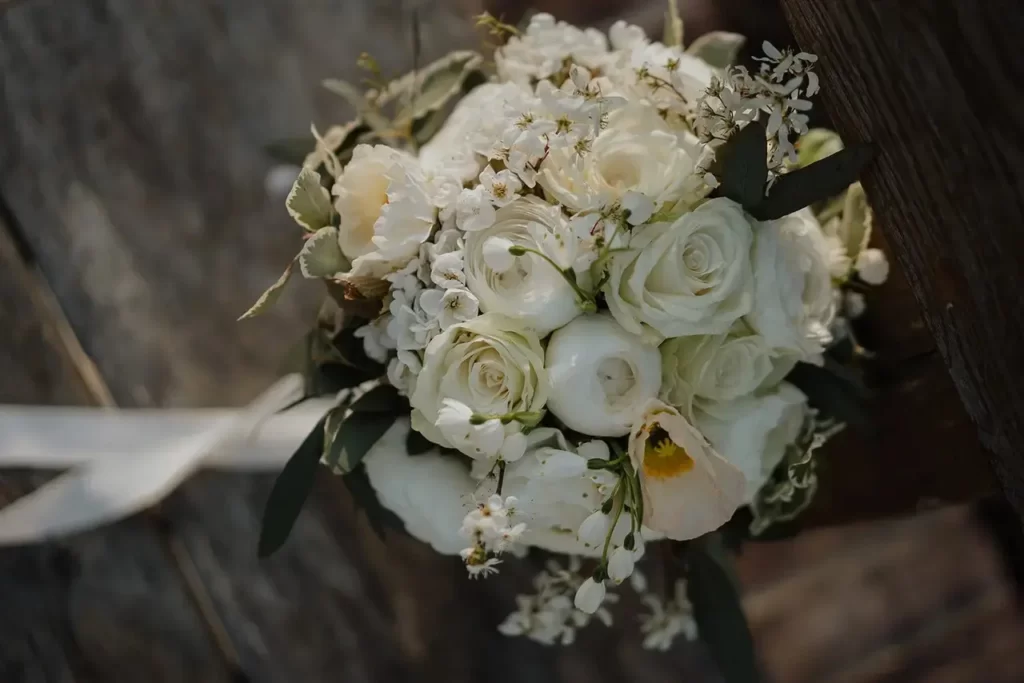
pixel 663 458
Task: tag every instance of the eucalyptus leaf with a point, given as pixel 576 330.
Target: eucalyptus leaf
pixel 365 498
pixel 741 166
pixel 291 488
pixel 321 255
pixel 270 297
pixel 673 25
pixel 814 183
pixel 356 436
pixel 366 110
pixel 309 203
pixel 718 611
pixel 717 48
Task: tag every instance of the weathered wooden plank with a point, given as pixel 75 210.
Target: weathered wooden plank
pixel 106 605
pixel 930 83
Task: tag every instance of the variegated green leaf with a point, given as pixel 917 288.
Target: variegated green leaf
pixel 273 293
pixel 717 48
pixel 673 25
pixel 435 85
pixel 321 255
pixel 309 203
pixel 368 112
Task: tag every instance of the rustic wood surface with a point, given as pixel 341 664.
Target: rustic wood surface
pixel 131 166
pixel 948 182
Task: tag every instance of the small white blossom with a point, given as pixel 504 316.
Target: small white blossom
pixel 595 528
pixel 872 266
pixel 483 569
pixel 501 187
pixel 620 565
pixel 446 271
pixel 668 620
pixel 376 340
pixel 589 596
pixel 473 210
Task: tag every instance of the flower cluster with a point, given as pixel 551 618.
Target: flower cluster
pixel 591 337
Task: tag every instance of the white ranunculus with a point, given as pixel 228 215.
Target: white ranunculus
pixel 689 277
pixel 688 488
pixel 793 302
pixel 492 364
pixel 753 432
pixel 636 152
pixel 431 493
pixel 531 290
pixel 717 367
pixel 600 374
pixel 386 211
pixel 541 50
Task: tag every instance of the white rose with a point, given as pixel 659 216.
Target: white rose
pixel 793 302
pixel 531 289
pixel 431 493
pixel 636 152
pixel 492 364
pixel 386 210
pixel 541 50
pixel 688 488
pixel 753 432
pixel 600 374
pixel 713 367
pixel 688 277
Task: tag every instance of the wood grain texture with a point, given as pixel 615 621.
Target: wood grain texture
pixel 931 84
pixel 105 605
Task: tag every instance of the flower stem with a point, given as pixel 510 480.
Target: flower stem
pixel 586 299
pixel 501 476
pixel 615 522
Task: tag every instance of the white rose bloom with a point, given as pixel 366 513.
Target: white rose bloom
pixel 684 278
pixel 600 375
pixel 542 49
pixel 430 493
pixel 717 367
pixel 753 432
pixel 491 364
pixel 531 290
pixel 386 210
pixel 793 302
pixel 688 488
pixel 636 152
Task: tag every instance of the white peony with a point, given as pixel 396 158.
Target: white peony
pixel 718 367
pixel 386 211
pixel 492 364
pixel 636 152
pixel 430 493
pixel 600 375
pixel 793 302
pixel 753 432
pixel 688 488
pixel 689 277
pixel 542 49
pixel 530 289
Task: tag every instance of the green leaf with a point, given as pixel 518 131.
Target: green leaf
pixel 819 181
pixel 309 203
pixel 673 25
pixel 367 111
pixel 436 85
pixel 834 390
pixel 741 166
pixel 718 611
pixel 717 48
pixel 381 399
pixel 417 444
pixel 290 491
pixel 321 255
pixel 330 378
pixel 270 297
pixel 354 439
pixel 365 498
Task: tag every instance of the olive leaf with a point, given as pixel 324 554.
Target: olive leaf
pixel 355 437
pixel 291 488
pixel 718 611
pixel 741 166
pixel 321 255
pixel 673 36
pixel 823 179
pixel 270 297
pixel 717 48
pixel 365 498
pixel 309 203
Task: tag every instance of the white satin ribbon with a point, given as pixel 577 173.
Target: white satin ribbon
pixel 123 461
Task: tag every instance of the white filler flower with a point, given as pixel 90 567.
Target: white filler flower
pixel 600 374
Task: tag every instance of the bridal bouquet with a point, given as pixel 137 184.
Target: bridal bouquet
pixel 578 300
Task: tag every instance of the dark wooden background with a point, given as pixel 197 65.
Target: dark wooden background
pixel 135 226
